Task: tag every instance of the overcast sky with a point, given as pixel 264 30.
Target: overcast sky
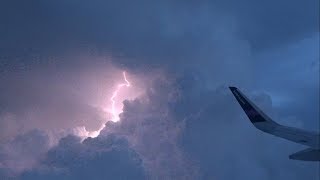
pixel 60 62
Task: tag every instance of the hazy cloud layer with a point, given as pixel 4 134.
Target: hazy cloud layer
pixel 23 152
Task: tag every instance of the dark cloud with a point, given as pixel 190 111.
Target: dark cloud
pixel 203 139
pixel 296 76
pixel 268 24
pixel 227 146
pixel 142 23
pixel 99 158
pixel 213 37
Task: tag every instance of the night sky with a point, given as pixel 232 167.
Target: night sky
pixel 62 60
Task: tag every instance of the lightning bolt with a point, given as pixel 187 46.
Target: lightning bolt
pixel 115 116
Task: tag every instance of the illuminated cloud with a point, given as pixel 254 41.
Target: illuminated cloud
pixel 115 112
pixel 60 62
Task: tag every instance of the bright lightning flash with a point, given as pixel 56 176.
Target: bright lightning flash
pixel 82 132
pixel 114 112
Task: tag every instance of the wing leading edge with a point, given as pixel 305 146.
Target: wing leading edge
pixel 264 123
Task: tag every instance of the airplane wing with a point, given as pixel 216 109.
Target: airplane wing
pixel 264 123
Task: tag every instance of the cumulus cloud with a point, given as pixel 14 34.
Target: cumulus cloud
pixel 155 133
pixel 108 157
pixel 175 126
pixel 59 61
pixel 174 132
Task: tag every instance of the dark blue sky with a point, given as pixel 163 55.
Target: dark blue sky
pixel 58 57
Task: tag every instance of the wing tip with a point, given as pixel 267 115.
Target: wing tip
pixel 233 88
pixel 248 107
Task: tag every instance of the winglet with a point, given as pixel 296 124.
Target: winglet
pixel 264 123
pixel 254 113
pixel 232 88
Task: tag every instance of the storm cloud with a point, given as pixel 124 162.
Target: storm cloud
pixel 60 60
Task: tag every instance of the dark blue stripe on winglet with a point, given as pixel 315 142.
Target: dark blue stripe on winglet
pixel 250 111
